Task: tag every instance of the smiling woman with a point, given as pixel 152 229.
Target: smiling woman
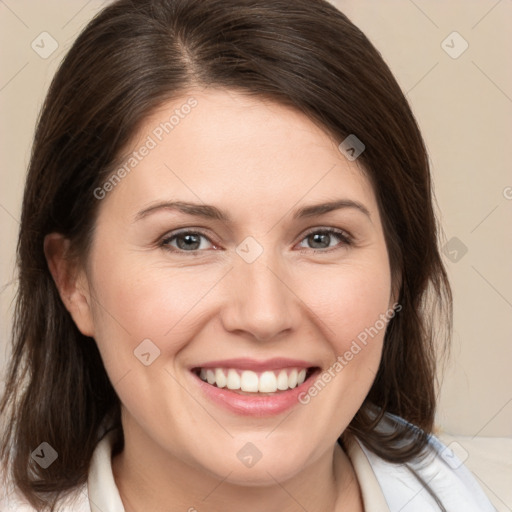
pixel 228 306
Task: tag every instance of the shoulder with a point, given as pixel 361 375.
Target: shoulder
pixel 436 477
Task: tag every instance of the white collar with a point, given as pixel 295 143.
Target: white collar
pixel 373 497
pixel 102 490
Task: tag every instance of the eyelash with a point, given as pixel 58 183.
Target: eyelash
pixel 345 238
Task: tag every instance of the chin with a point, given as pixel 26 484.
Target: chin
pixel 255 473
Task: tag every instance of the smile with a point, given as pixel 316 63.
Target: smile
pixel 251 388
pixel 254 382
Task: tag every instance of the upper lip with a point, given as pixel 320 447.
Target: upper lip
pixel 255 365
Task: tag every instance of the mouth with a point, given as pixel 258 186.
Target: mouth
pixel 255 388
pixel 249 382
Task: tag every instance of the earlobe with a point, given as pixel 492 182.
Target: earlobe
pixel 70 280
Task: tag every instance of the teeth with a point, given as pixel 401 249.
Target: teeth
pixel 233 380
pixel 210 377
pixel 249 381
pixel 292 378
pixel 252 382
pixel 220 378
pixel 282 380
pixel 268 383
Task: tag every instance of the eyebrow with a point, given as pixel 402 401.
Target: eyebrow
pixel 212 212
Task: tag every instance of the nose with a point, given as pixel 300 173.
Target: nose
pixel 260 299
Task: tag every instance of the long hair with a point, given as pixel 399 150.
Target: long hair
pixel 130 59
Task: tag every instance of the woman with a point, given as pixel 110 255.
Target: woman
pixel 227 258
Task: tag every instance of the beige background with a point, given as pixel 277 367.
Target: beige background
pixel 464 108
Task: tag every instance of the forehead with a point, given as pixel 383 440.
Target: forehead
pixel 219 145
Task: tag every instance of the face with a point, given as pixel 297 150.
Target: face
pixel 245 283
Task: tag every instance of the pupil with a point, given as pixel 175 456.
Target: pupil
pixel 320 238
pixel 190 242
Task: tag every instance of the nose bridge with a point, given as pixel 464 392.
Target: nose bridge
pixel 260 300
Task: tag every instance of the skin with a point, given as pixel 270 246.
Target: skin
pixel 258 161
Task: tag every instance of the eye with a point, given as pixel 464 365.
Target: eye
pixel 185 241
pixel 322 238
pixel 192 241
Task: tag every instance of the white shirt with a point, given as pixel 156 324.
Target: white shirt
pixel 385 486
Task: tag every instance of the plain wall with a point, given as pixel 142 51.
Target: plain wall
pixel 463 104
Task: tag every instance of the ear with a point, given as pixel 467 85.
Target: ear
pixel 71 281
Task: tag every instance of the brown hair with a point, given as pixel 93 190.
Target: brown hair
pixel 132 57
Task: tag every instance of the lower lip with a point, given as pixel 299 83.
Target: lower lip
pixel 247 405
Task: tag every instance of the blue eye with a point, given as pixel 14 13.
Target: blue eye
pixel 192 241
pixel 322 238
pixel 186 241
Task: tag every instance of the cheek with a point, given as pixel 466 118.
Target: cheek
pixel 353 305
pixel 136 301
pixel 349 301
